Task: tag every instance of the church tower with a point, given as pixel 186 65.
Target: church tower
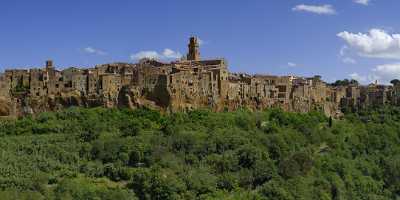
pixel 194 53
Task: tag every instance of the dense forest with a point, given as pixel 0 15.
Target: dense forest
pixel 143 154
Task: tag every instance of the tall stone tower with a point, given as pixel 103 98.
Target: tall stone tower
pixel 194 53
pixel 50 77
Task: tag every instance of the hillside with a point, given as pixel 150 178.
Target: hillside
pixel 142 154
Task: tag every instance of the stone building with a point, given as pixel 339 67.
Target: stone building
pixel 186 84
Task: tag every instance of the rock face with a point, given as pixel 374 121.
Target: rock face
pixel 183 85
pixel 5 108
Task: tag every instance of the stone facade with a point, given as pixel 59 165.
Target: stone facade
pixel 187 84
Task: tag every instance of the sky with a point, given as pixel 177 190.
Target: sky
pixel 336 39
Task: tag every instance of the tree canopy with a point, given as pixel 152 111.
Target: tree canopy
pixel 345 82
pixel 143 154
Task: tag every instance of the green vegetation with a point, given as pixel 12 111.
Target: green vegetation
pixel 345 82
pixel 142 154
pixel 20 89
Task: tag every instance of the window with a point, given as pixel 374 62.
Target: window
pixel 281 88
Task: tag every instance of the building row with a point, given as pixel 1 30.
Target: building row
pixel 186 84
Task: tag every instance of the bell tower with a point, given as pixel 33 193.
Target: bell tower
pixel 194 53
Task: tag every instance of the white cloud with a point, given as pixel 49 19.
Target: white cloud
pixel 343 50
pixel 383 74
pixel 349 60
pixel 167 54
pixel 145 54
pixel 317 9
pixel 376 43
pixel 91 50
pixel 344 57
pixel 357 77
pixel 291 64
pixel 170 54
pixel 200 41
pixel 386 73
pixel 363 2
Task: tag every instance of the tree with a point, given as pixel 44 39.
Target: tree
pixel 157 184
pixel 299 164
pixel 345 82
pixel 395 81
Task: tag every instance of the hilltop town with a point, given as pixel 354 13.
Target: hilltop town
pixel 186 84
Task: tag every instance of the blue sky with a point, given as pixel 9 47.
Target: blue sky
pixel 334 38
